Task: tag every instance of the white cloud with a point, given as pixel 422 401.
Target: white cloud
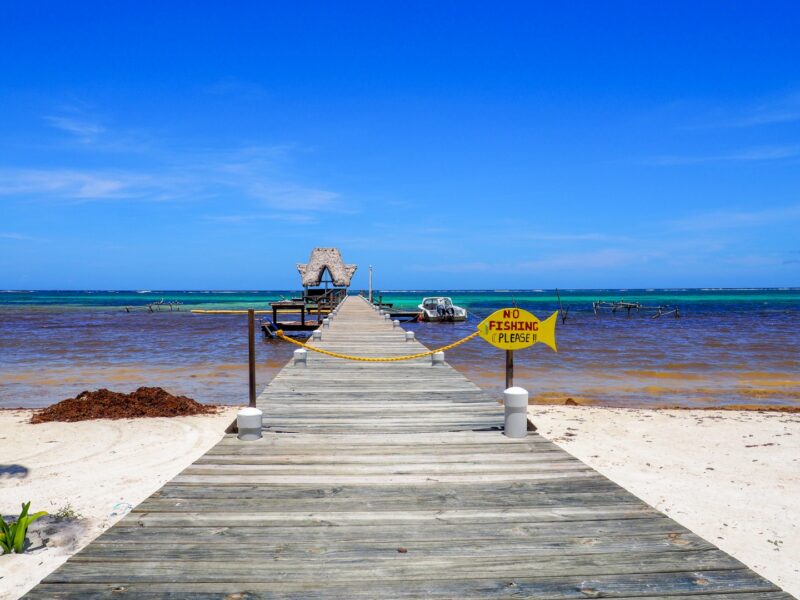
pixel 470 267
pixel 759 154
pixel 605 258
pixel 285 217
pixel 84 130
pixel 737 219
pixel 254 181
pixel 21 237
pixel 785 109
pixel 72 184
pixel 572 237
pixel 294 197
pixel 251 178
pixel 600 259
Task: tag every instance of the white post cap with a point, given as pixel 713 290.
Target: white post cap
pixel 516 397
pixel 515 401
pixel 300 356
pixel 248 423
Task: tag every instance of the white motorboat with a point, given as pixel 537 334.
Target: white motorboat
pixel 440 308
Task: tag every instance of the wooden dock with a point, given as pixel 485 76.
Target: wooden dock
pixel 392 480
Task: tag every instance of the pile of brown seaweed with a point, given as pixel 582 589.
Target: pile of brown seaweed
pixel 105 404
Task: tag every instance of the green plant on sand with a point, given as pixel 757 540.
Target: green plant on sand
pixel 67 513
pixel 12 537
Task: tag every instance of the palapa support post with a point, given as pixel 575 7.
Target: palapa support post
pixel 509 369
pixel 251 349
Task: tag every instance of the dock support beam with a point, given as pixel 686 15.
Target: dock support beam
pixel 251 350
pixel 509 369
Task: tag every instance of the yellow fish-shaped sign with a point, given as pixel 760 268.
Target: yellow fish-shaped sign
pixel 514 329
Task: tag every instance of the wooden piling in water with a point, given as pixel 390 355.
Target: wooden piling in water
pixel 251 355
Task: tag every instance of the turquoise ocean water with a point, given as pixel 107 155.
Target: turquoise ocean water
pixel 728 346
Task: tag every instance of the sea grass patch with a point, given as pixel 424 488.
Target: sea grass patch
pixel 106 404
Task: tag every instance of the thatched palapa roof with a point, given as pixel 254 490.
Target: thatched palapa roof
pixel 326 258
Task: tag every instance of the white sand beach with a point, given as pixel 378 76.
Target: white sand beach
pixel 732 477
pixel 100 468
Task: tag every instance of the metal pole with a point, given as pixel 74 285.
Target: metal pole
pixel 370 284
pixel 509 368
pixel 251 347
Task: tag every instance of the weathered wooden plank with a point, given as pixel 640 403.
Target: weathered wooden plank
pixel 553 589
pixel 295 550
pixel 402 567
pixel 710 585
pixel 335 479
pixel 398 503
pixel 518 459
pixel 426 468
pixel 130 532
pixel 494 492
pixel 225 517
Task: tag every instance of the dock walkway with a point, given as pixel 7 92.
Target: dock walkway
pixel 392 480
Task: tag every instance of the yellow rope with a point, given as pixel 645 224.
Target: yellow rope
pixel 280 334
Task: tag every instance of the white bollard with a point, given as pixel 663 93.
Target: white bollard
pixel 300 357
pixel 387 318
pixel 395 323
pixel 515 401
pixel 326 322
pixel 248 423
pixel 409 336
pixel 316 334
pixel 437 358
pixel 380 312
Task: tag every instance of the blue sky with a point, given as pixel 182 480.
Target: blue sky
pixel 449 144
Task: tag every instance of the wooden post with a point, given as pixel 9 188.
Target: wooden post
pixel 509 368
pixel 251 347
